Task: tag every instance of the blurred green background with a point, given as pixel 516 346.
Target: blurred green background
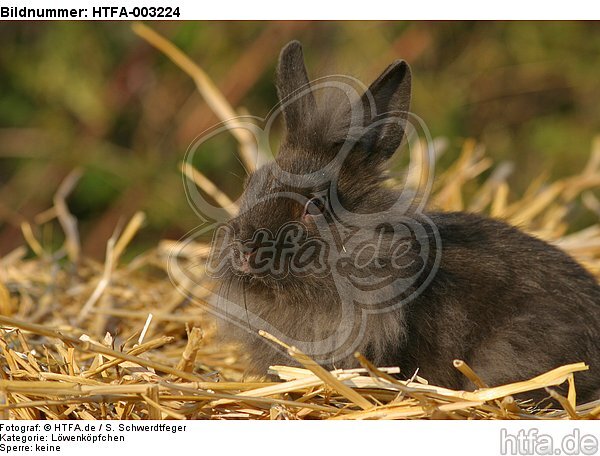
pixel 95 95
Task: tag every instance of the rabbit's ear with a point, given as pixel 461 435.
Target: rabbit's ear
pixel 293 87
pixel 386 104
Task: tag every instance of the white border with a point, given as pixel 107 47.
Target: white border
pixel 343 9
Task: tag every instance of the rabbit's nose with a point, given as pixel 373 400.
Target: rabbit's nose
pixel 249 255
pixel 246 258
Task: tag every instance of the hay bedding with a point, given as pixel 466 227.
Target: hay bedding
pixel 84 340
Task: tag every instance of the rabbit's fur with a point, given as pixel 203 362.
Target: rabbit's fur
pixel 510 305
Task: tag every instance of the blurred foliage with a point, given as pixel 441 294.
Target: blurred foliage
pixel 95 95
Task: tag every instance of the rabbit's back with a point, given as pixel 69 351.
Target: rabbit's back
pixel 509 304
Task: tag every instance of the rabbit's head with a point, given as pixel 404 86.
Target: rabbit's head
pixel 330 167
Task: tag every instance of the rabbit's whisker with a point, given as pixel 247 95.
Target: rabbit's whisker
pixel 246 306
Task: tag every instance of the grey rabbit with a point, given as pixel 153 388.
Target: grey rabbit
pixel 329 258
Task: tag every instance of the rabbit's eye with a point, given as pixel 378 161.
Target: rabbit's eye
pixel 314 206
